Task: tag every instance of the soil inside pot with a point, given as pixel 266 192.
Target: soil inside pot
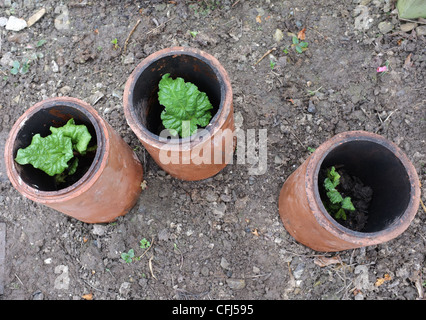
pixel 360 194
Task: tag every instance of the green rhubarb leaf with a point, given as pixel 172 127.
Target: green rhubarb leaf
pixel 334 196
pixel 186 107
pixel 341 214
pixel 49 154
pixel 328 184
pixel 79 135
pixel 347 204
pixel 334 176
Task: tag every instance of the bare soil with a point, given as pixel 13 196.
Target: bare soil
pixel 219 238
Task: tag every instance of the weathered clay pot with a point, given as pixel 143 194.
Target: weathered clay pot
pixel 108 187
pixel 378 163
pixel 142 110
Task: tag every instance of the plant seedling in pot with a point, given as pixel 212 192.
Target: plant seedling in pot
pixel 186 108
pixel 336 205
pixel 57 154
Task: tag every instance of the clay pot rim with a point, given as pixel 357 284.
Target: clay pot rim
pixel 182 143
pixel 87 180
pixel 321 214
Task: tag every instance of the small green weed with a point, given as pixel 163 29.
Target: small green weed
pixel 40 42
pixel 298 45
pixel 144 244
pixel 18 67
pixel 128 256
pixel 114 42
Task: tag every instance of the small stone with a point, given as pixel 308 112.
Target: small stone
pixel 99 230
pixel 219 210
pixel 297 273
pixel 3 21
pixel 124 288
pixel 62 21
pixel 129 59
pixel 35 17
pixel 55 67
pixel 94 98
pixel 421 31
pixel 62 282
pixel 38 295
pixel 236 284
pixel 408 26
pixel 311 107
pixel 385 27
pixel 278 35
pixel 65 90
pixel 224 263
pixel 15 24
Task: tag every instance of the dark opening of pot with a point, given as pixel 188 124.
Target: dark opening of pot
pixel 194 69
pixel 40 122
pixel 377 168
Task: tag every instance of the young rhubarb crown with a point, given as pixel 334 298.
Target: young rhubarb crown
pixel 52 153
pixel 186 107
pixel 338 204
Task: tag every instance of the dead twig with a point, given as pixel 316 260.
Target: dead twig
pixel 150 267
pixel 267 52
pixel 235 3
pixel 159 26
pixel 181 255
pixel 415 21
pixel 391 113
pixel 423 205
pixel 130 34
pixel 19 280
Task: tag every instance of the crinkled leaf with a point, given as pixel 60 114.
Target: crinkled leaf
pixel 341 214
pixel 334 176
pixel 347 204
pixel 334 196
pixel 183 102
pixel 79 135
pixel 171 122
pixel 49 154
pixel 328 184
pixel 73 167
